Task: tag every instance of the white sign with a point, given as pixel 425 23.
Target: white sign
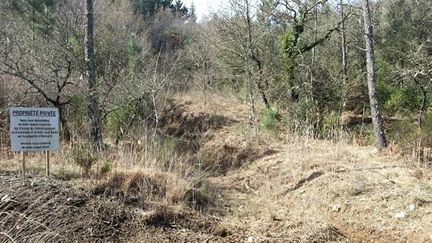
pixel 34 129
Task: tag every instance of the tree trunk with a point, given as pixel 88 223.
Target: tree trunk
pixel 65 130
pixel 315 35
pixel 343 44
pixel 262 92
pixel 93 100
pixel 423 107
pixel 344 51
pixel 312 84
pixel 260 83
pixel 376 116
pixel 344 58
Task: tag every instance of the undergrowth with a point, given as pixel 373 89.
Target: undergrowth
pixel 269 121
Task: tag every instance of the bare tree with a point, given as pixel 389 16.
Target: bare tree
pixel 419 70
pixel 242 47
pixel 377 121
pixel 44 63
pixel 253 53
pixel 202 55
pixel 93 98
pixel 298 13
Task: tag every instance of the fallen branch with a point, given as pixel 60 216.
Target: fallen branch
pixel 303 181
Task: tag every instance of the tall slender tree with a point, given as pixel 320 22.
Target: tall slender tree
pixel 93 99
pixel 344 52
pixel 343 42
pixel 377 121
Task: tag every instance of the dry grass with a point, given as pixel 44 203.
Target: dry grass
pixel 55 211
pixel 288 188
pixel 140 191
pixel 312 186
pixel 153 189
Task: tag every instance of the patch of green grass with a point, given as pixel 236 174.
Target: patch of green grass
pixel 106 167
pixel 269 121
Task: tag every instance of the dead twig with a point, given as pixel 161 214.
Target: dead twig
pixel 8 236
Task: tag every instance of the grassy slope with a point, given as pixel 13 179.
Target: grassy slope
pixel 310 187
pixel 309 190
pixel 287 188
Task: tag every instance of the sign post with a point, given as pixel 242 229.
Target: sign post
pixel 47 167
pixel 23 167
pixel 34 129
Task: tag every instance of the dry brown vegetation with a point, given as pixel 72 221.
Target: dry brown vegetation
pixel 220 184
pixel 312 188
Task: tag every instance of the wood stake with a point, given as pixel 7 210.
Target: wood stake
pixel 23 166
pixel 47 163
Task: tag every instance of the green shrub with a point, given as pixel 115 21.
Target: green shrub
pixel 330 126
pixel 106 167
pixel 269 120
pixel 402 99
pixel 119 121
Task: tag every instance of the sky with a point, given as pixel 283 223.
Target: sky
pixel 206 7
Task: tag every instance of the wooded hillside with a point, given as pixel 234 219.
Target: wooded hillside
pixel 304 61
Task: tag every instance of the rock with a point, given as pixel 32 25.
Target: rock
pixel 400 215
pixel 250 239
pixel 132 200
pixel 77 202
pixel 336 208
pixel 411 207
pixel 357 188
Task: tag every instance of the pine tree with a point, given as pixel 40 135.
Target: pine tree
pixel 377 121
pixel 93 98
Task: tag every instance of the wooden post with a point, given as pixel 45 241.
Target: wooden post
pixel 47 163
pixel 23 166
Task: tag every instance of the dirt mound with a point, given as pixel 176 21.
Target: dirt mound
pixel 135 205
pixel 189 126
pixel 208 133
pixel 221 156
